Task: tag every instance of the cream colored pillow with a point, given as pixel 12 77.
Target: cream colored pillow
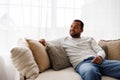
pixel 113 47
pixel 40 54
pixel 23 60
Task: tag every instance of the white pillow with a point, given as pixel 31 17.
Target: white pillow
pixel 23 60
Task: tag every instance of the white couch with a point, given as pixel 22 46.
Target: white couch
pixel 38 72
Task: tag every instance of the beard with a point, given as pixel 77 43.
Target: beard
pixel 75 35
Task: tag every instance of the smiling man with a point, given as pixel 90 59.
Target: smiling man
pixel 86 56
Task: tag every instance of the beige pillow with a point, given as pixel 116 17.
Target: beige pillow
pixel 23 60
pixel 113 47
pixel 105 50
pixel 58 58
pixel 40 54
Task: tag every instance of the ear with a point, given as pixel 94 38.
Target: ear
pixel 82 30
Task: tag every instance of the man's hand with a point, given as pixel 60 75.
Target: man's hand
pixel 42 41
pixel 97 60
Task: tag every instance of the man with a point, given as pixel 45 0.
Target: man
pixel 86 56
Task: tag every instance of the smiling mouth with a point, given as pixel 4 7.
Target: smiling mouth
pixel 72 31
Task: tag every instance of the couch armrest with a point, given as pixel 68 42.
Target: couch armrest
pixel 3 72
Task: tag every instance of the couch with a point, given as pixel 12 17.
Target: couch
pixel 36 62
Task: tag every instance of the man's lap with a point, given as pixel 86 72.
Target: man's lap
pixel 108 67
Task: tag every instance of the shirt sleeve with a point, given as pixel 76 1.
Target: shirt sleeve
pixel 57 41
pixel 97 48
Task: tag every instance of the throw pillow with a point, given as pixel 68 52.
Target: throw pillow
pixel 58 58
pixel 113 48
pixel 105 50
pixel 24 62
pixel 40 54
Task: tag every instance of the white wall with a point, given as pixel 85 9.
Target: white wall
pixel 102 19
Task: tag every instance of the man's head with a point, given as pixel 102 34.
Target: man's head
pixel 76 28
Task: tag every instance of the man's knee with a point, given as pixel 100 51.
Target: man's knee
pixel 87 68
pixel 89 71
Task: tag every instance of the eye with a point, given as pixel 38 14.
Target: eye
pixel 76 27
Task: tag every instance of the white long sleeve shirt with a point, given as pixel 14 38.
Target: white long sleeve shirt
pixel 79 49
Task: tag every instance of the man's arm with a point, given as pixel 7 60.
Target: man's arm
pixel 100 52
pixel 97 60
pixel 43 42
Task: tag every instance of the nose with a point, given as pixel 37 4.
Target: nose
pixel 71 28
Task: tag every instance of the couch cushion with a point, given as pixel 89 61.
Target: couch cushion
pixel 57 55
pixel 113 47
pixel 105 50
pixel 108 78
pixel 24 62
pixel 40 54
pixel 64 74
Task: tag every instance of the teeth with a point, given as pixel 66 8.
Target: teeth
pixel 72 31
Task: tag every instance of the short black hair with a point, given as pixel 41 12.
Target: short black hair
pixel 81 23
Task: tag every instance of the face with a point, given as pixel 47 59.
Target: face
pixel 75 30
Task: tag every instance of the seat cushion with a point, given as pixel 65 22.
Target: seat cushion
pixel 64 74
pixel 108 78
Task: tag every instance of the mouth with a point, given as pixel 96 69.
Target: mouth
pixel 72 31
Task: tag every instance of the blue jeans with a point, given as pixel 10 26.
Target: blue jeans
pixel 92 71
